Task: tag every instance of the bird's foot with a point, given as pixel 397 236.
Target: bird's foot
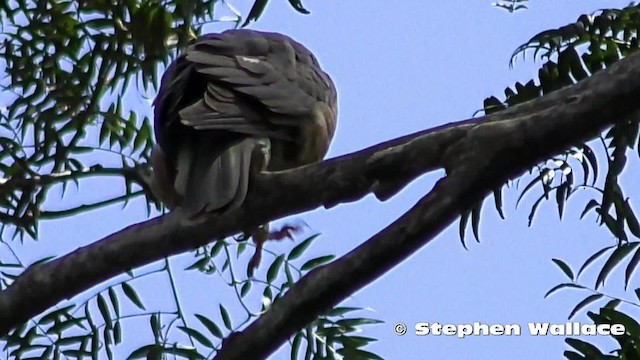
pixel 262 235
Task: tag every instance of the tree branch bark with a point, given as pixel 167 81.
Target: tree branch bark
pixel 478 155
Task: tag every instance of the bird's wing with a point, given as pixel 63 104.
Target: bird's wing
pixel 256 81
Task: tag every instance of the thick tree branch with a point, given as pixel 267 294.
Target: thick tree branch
pixel 478 154
pixel 495 150
pixel 346 179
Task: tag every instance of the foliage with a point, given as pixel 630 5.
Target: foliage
pixel 95 327
pixel 511 5
pixel 70 66
pixel 570 54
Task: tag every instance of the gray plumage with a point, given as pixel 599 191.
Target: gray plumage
pixel 233 104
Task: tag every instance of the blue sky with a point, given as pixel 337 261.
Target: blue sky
pixel 400 69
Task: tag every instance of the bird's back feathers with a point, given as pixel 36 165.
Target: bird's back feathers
pixel 229 92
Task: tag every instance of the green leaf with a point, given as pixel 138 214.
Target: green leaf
pixel 210 325
pixel 613 303
pixel 528 187
pixel 198 336
pixel 105 132
pixel 154 323
pixel 475 219
pixel 117 332
pixel 55 314
pixel 61 326
pixel 356 341
pixel 534 207
pixel 226 319
pixel 255 12
pixel 297 4
pixel 561 197
pixel 200 264
pixel 464 219
pixel 104 311
pixel 590 205
pixel 129 129
pixel 267 293
pixel 240 249
pixel 287 272
pixel 215 249
pixel 497 197
pixel 562 286
pixel 585 348
pixel 616 257
pixel 142 136
pixel 296 345
pixel 314 263
pixel 114 302
pixel 593 258
pixel 588 300
pixel 274 269
pixel 99 24
pixel 631 267
pixel 244 290
pixel 564 267
pixel 132 295
pixel 301 248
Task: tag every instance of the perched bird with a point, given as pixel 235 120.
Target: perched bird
pixel 234 104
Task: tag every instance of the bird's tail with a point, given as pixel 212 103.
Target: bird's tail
pixel 214 180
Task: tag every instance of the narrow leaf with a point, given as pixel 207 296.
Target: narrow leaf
pixel 588 300
pixel 132 295
pixel 564 267
pixel 300 248
pixel 210 325
pixel 313 263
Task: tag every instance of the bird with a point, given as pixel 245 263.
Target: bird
pixel 232 105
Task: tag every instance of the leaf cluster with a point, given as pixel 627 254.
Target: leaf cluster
pixel 570 54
